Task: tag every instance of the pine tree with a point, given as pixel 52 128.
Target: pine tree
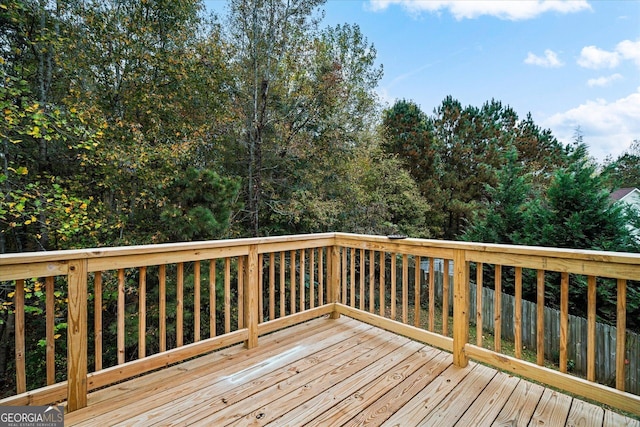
pixel 505 207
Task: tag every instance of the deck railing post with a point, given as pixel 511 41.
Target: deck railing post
pixel 250 302
pixel 333 269
pixel 77 335
pixel 460 308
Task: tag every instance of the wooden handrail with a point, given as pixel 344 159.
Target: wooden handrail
pixel 347 268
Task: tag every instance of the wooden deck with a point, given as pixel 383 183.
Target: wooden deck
pixel 330 373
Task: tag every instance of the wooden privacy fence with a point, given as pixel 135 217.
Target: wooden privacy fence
pixel 605 335
pixel 162 304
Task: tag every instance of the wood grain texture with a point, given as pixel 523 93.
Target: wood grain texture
pixel 332 372
pixel 77 336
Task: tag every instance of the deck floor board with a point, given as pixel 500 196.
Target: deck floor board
pixel 332 373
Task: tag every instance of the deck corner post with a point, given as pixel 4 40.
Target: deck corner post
pixel 77 339
pixel 460 308
pixel 250 302
pixel 333 269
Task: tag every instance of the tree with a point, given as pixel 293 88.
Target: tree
pixel 408 133
pixel 201 209
pixel 576 211
pixel 310 104
pixel 471 143
pixel 386 200
pixel 623 172
pixel 455 154
pixel 155 75
pixel 504 220
pixel 266 35
pixel 41 137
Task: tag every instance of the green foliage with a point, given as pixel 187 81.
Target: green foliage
pixel 505 207
pixel 574 212
pixel 455 155
pixel 201 206
pixel 577 213
pixel 383 199
pixel 39 207
pixel 408 133
pixel 623 172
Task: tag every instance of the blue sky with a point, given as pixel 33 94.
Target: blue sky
pixel 570 63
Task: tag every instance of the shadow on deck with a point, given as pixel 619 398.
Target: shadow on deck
pixel 330 373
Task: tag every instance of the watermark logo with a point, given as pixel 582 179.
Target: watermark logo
pixel 31 416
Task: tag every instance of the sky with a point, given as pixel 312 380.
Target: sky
pixel 572 64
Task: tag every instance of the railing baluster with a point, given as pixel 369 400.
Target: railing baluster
pixel 383 291
pixel 540 318
pixel 272 286
pixel 564 320
pixel 142 312
pixel 97 319
pixel 196 301
pixel 371 281
pixel 621 332
pixel 518 313
pixel 162 282
pixel 405 288
pixel 432 295
pixel 302 279
pixel 260 288
pixel 292 280
pixel 416 291
pixel 591 328
pixel 50 326
pixel 393 285
pixel 212 298
pixel 497 310
pixel 362 270
pixel 283 266
pixel 240 302
pixel 320 276
pixel 479 277
pixel 121 325
pixel 445 297
pixel 343 269
pixel 352 276
pixel 227 295
pixel 180 305
pixel 312 290
pixel 18 304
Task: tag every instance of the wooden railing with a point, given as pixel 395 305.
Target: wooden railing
pixel 162 304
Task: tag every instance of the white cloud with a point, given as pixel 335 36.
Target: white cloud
pixel 630 50
pixel 508 10
pixel 604 81
pixel 594 57
pixel 607 127
pixel 550 59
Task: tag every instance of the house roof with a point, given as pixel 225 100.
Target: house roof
pixel 622 193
